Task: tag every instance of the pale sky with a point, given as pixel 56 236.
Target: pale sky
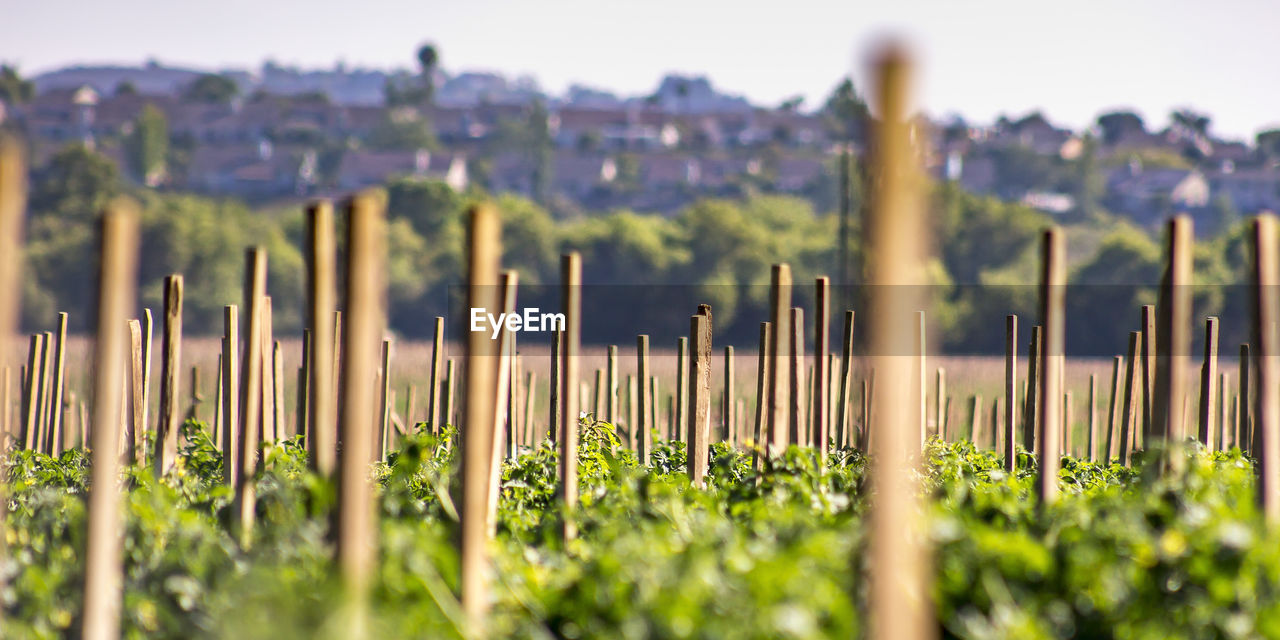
pixel 979 58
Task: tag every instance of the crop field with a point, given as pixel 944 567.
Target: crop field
pixel 835 479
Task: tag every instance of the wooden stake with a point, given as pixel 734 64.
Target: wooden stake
pixel 361 337
pixel 1031 417
pixel 900 608
pixel 798 426
pixel 59 382
pixel 448 417
pixel 31 393
pixel 611 400
pixel 502 429
pixel 1053 282
pixel 597 396
pixel 645 422
pixel 322 430
pixel 268 429
pixel 844 422
pixel 1091 449
pixel 630 428
pixel 1223 431
pixel 571 298
pixel 729 408
pixel 940 402
pixel 1244 417
pixel 1109 453
pixel 137 438
pixel 148 331
pixel 530 390
pixel 167 429
pixel 821 366
pixel 763 393
pixel 1129 417
pixel 251 392
pixel 1173 337
pixel 230 395
pixel 1148 373
pixel 219 419
pixel 975 421
pixel 117 273
pixel 384 403
pixel 700 399
pixel 553 386
pixel 43 441
pixel 437 358
pixel 1010 393
pixel 682 390
pixel 780 352
pixel 1267 413
pixel 1208 382
pixel 305 371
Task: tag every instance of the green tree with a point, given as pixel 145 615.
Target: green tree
pixel 428 60
pixel 1115 124
pixel 211 88
pixel 402 129
pixel 14 89
pixel 147 146
pixel 845 113
pixel 67 195
pixel 1269 143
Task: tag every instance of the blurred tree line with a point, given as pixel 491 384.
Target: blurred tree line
pixel 645 272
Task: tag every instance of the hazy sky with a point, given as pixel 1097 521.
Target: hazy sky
pixel 979 58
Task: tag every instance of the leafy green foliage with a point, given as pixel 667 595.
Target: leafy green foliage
pixel 769 553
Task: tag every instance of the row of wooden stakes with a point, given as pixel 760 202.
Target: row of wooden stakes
pixel 343 381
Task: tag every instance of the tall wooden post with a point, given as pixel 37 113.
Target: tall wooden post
pixel 1148 372
pixel 940 391
pixel 55 399
pixel 611 399
pixel 682 390
pixel 762 437
pixel 103 562
pixel 361 337
pixel 1031 415
pixel 555 419
pixel 1173 337
pixel 1244 417
pixel 644 424
pixel 1091 450
pixel 1109 452
pixel 437 358
pixel 31 392
pixel 322 430
pixel 780 353
pixel 820 409
pixel 728 411
pixel 1208 384
pixel 255 290
pixel 798 426
pixel 844 422
pixel 1129 423
pixel 571 298
pixel 1053 282
pixel 167 432
pixel 1010 393
pixel 899 604
pixel 699 409
pixel 267 429
pixel 1266 311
